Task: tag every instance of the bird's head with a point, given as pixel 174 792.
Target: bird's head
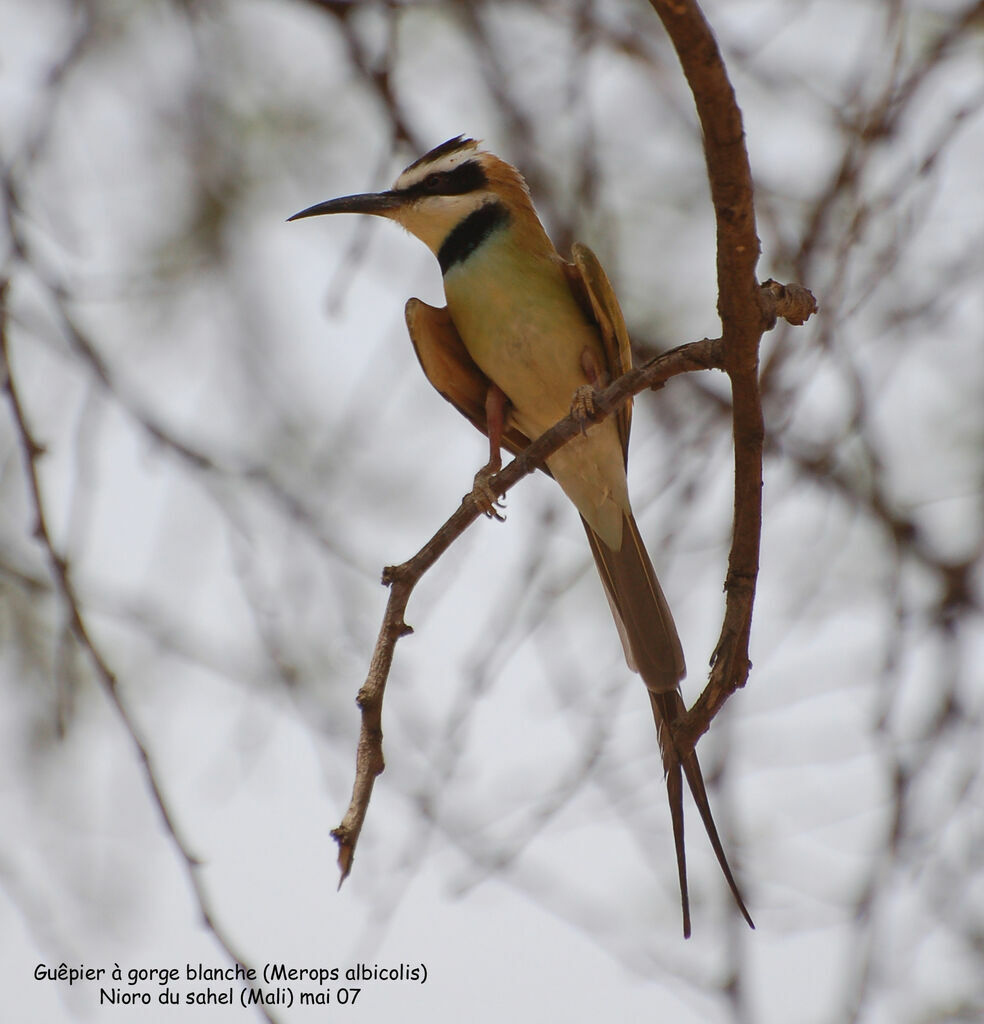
pixel 451 197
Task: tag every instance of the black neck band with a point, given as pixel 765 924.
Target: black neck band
pixel 464 239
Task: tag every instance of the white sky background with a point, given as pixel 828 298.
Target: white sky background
pixel 519 842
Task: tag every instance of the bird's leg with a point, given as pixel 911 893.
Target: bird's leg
pixel 495 419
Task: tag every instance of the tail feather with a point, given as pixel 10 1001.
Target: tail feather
pixel 674 793
pixel 652 648
pixel 642 615
pixel 667 707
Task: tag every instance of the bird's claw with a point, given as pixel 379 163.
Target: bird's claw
pixel 583 405
pixel 487 501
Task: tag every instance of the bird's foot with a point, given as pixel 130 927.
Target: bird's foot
pixel 583 405
pixel 487 501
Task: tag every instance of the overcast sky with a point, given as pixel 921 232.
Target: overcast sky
pixel 238 438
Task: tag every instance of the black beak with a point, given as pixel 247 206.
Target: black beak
pixel 379 203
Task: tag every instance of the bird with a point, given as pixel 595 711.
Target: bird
pixel 526 338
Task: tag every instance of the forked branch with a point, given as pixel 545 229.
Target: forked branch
pixel 747 310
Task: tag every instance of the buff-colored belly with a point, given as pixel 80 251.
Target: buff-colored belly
pixel 521 325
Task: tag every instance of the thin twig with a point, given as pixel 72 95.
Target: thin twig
pixel 58 567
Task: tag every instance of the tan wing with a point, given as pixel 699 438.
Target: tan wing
pixel 451 370
pixel 594 292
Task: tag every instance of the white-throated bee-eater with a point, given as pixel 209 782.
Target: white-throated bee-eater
pixel 525 334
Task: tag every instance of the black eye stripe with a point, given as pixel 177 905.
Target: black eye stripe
pixel 460 180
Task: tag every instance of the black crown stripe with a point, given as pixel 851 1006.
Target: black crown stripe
pixel 458 142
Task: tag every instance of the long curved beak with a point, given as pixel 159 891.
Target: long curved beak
pixel 382 204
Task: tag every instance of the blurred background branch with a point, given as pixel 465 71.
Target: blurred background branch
pixel 229 459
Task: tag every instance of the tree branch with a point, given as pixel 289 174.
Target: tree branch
pixel 746 311
pixel 58 567
pixel 402 579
